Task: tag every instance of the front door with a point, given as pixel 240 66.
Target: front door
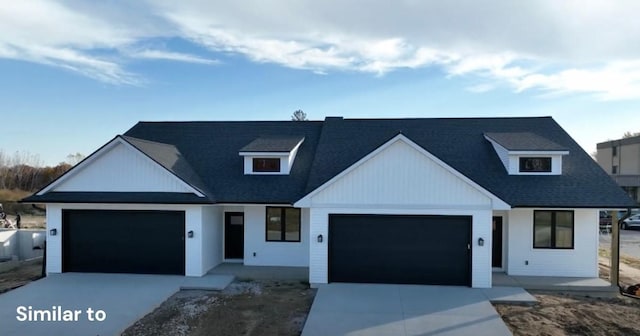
pixel 497 242
pixel 234 235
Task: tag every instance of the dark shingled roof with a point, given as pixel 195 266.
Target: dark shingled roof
pixel 524 141
pixel 170 158
pixel 272 144
pixel 210 151
pixel 117 197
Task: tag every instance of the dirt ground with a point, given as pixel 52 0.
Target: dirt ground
pixel 19 277
pixel 563 314
pixel 244 308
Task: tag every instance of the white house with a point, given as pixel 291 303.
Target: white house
pixel 423 201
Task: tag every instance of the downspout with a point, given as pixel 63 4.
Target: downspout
pixel 616 232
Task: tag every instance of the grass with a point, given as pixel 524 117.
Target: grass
pixel 625 259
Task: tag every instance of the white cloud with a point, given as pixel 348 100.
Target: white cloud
pixel 544 46
pixel 172 56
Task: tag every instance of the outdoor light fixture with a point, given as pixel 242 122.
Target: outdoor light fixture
pixel 480 241
pixel 319 238
pixel 53 232
pixel 190 234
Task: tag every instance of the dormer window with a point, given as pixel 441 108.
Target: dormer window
pixel 535 164
pixel 270 155
pixel 266 165
pixel 527 153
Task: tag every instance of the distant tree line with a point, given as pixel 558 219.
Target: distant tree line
pixel 23 171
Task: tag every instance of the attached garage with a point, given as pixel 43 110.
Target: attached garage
pixel 403 249
pixel 123 241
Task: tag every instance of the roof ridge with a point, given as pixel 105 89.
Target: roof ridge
pixel 147 141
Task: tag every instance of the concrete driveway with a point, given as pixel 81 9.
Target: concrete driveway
pixel 371 309
pixel 124 298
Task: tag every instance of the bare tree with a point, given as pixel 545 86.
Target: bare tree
pixel 74 159
pixel 630 134
pixel 299 115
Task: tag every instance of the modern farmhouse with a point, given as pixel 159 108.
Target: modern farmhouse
pixel 422 201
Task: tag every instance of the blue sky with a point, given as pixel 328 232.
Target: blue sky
pixel 73 74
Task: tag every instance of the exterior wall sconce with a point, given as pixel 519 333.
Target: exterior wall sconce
pixel 480 241
pixel 190 234
pixel 53 232
pixel 320 238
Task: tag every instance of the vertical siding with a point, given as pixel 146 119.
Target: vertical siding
pixel 194 246
pixel 319 252
pixel 122 169
pixel 481 228
pixel 273 253
pixel 582 261
pixel 54 243
pixel 401 175
pixel 211 237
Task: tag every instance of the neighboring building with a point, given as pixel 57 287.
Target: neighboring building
pixel 426 201
pixel 621 160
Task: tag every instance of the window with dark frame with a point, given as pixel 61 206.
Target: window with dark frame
pixel 614 150
pixel 283 224
pixel 553 229
pixel 266 165
pixel 535 164
pixel 614 169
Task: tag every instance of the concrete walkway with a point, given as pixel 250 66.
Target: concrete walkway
pixel 372 309
pixel 124 298
pixel 244 272
pixel 564 284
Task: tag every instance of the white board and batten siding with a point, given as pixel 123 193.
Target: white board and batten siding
pixel 202 252
pixel 121 168
pixel 401 180
pixel 581 261
pixel 212 228
pixel 260 252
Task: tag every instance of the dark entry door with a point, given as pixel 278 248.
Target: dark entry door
pixel 496 260
pixel 123 241
pixel 234 235
pixel 403 249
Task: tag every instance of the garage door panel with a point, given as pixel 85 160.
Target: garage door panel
pixel 123 241
pixel 399 249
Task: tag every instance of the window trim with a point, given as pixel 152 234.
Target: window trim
pixel 283 225
pixel 255 170
pixel 553 230
pixel 523 158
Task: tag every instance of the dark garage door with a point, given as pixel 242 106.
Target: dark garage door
pixel 400 249
pixel 122 241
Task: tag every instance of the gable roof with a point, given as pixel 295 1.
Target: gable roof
pixel 460 143
pixel 211 149
pixel 205 155
pixel 171 159
pixel 273 144
pixel 162 154
pixel 524 141
pixel 497 202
